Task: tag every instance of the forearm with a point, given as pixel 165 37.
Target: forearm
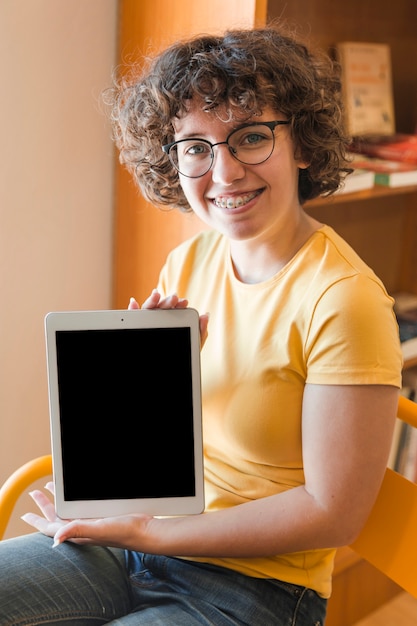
pixel 289 522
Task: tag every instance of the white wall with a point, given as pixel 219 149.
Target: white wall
pixel 56 185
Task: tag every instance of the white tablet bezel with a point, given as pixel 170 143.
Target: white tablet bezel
pixel 122 319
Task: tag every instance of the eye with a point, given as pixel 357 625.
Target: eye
pixel 253 138
pixel 195 148
pixel 250 137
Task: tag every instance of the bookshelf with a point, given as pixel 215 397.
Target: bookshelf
pixel 381 224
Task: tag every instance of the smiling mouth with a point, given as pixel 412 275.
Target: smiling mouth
pixel 235 202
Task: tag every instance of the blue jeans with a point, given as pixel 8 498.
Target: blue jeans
pixel 87 586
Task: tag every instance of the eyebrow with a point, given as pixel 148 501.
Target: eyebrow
pixel 232 129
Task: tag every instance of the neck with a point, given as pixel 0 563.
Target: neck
pixel 256 262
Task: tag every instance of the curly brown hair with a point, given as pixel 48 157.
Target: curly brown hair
pixel 248 69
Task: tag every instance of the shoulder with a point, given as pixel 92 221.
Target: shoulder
pixel 337 252
pixel 190 262
pixel 203 246
pixel 335 267
pixel 346 287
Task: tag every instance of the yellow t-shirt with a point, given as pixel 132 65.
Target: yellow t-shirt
pixel 325 318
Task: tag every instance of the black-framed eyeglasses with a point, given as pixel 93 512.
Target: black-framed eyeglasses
pixel 251 144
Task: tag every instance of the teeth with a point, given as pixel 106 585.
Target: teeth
pixel 233 203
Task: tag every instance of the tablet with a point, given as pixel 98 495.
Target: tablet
pixel 125 412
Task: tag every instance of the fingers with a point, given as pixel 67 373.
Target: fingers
pixel 173 302
pixel 50 486
pixel 133 304
pixel 45 505
pixel 77 531
pixel 41 524
pixel 48 523
pixel 80 531
pixel 154 301
pixel 170 302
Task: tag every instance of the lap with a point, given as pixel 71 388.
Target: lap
pixel 79 585
pixel 70 584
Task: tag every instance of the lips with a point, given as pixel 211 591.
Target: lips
pixel 234 202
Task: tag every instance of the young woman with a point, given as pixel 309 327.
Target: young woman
pixel 301 360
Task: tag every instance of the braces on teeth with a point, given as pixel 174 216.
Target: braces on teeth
pixel 233 203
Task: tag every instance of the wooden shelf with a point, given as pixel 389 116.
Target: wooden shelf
pixel 379 191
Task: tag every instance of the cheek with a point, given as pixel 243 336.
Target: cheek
pixel 194 190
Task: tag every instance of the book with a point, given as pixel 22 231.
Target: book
pixel 357 180
pixel 387 172
pixel 406 458
pixel 403 454
pixel 409 349
pixel 395 443
pixel 409 464
pixel 408 336
pixel 367 90
pixel 396 147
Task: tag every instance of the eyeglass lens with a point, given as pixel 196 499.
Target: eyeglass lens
pixel 250 145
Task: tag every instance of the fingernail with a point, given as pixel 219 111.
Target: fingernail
pixel 56 543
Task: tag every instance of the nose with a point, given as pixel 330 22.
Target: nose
pixel 226 168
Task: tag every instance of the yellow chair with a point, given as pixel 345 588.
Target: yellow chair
pixel 389 538
pixel 18 483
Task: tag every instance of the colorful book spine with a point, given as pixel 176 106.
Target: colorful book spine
pixel 398 147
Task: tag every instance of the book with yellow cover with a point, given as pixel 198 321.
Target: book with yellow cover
pixel 367 87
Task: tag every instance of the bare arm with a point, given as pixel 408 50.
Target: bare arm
pixel 346 440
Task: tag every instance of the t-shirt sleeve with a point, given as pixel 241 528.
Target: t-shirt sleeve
pixel 353 336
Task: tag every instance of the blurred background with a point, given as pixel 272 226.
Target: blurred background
pixel 56 195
